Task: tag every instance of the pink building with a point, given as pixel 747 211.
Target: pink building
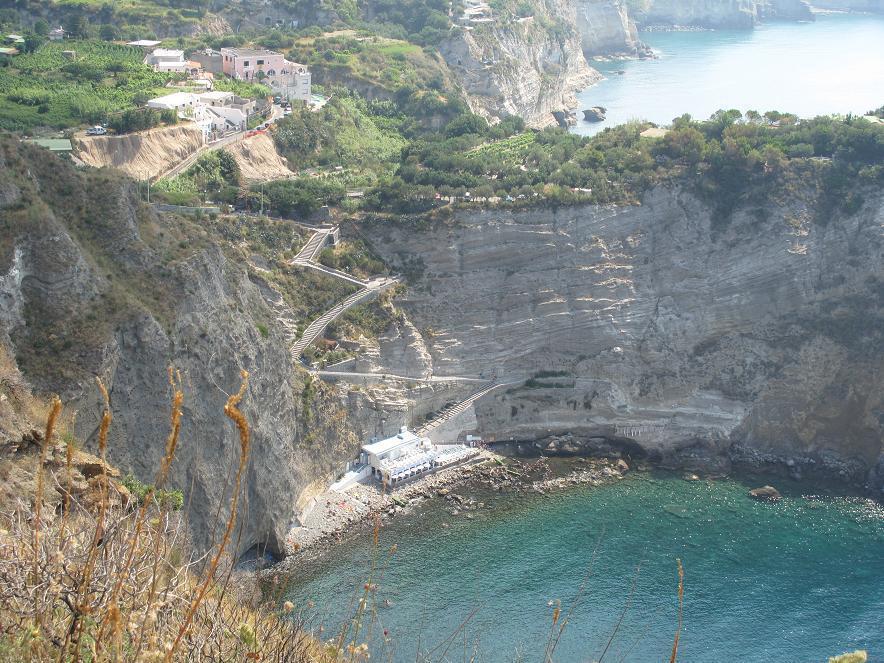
pixel 287 79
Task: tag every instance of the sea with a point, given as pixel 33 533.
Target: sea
pixel 797 580
pixel 592 573
pixel 834 65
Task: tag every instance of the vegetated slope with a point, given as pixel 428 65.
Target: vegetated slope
pixel 94 283
pixel 697 333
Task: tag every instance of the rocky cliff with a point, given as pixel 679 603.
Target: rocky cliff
pixel 144 154
pixel 530 66
pixel 663 330
pixel 876 6
pixel 717 13
pixel 605 28
pixel 92 282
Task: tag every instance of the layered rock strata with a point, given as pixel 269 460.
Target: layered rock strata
pixel 665 331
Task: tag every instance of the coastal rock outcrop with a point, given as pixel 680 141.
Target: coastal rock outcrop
pixel 520 65
pixel 874 6
pixel 664 331
pixel 606 28
pixel 718 13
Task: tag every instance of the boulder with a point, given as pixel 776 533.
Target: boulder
pixel 765 494
pixel 595 114
pixel 622 465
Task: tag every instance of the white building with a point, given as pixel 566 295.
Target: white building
pixel 166 59
pixel 147 44
pixel 56 34
pixel 406 456
pixel 183 102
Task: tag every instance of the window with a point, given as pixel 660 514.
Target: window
pixel 245 63
pixel 260 62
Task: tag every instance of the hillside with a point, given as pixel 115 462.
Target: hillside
pixel 96 283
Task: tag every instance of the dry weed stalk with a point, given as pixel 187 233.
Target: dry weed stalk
pixel 111 582
pixel 233 413
pixel 674 656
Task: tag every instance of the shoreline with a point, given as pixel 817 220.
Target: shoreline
pixel 363 507
pixel 336 517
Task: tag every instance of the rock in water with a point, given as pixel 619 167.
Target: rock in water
pixel 622 465
pixel 595 114
pixel 765 494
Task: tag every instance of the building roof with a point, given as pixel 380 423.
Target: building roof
pixel 54 144
pixel 378 448
pixel 248 52
pixel 168 53
pixel 175 99
pixel 216 95
pixel 8 51
pixel 145 43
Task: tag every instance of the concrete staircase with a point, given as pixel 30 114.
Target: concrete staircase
pixel 450 413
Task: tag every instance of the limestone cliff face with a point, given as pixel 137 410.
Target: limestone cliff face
pixel 528 67
pixel 718 13
pixel 606 28
pixel 654 329
pixel 876 6
pixel 93 283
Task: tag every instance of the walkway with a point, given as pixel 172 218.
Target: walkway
pixel 451 412
pixel 392 376
pixel 316 327
pixel 312 248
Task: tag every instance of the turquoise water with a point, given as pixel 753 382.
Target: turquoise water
pixel 834 65
pixel 794 581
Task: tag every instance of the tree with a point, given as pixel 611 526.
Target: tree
pixel 79 27
pixel 33 41
pixel 41 27
pixel 107 32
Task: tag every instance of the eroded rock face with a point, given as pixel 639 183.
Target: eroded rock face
pixel 719 13
pixel 696 339
pixel 93 283
pixel 521 67
pixel 606 28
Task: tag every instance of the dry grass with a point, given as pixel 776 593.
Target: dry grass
pixel 102 580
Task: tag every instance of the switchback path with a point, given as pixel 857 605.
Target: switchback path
pixel 315 328
pixel 404 378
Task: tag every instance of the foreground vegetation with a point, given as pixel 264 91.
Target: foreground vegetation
pixel 107 577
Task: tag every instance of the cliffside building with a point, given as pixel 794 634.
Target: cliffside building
pixel 288 80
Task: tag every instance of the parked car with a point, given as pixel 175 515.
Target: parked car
pixel 96 131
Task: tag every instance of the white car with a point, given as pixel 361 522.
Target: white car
pixel 96 131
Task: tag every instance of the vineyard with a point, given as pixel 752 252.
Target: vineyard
pixel 48 89
pixel 512 150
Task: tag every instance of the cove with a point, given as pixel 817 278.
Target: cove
pixel 832 65
pixel 797 580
